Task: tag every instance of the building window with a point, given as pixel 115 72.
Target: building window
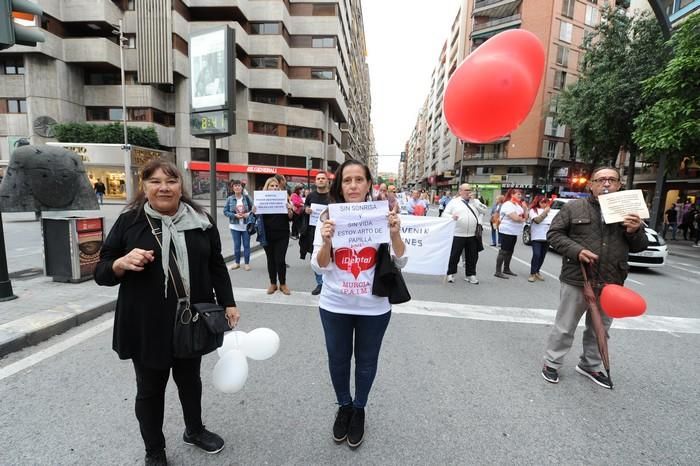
pixel 554 104
pixel 265 28
pixel 323 42
pixel 591 15
pixel 130 5
pixel 324 10
pixel 551 149
pixel 559 79
pixel 163 118
pixel 138 114
pixel 566 31
pixel 265 128
pixel 115 114
pixel 484 170
pixel 102 79
pixel 516 171
pixel 562 56
pixel 12 66
pixel 130 41
pixel 16 105
pixel 303 133
pixel 319 73
pixel 263 97
pixel 567 8
pixel 265 62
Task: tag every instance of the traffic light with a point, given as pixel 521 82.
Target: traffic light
pixel 11 32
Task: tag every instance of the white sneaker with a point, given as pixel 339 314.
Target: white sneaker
pixel 472 279
pixel 450 279
pixel 696 245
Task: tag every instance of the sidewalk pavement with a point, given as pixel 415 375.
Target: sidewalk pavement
pixel 46 308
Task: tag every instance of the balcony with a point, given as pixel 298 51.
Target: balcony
pixel 496 8
pixel 485 156
pixel 504 23
pixel 91 50
pixel 90 11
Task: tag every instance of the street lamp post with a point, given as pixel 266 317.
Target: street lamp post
pixel 129 180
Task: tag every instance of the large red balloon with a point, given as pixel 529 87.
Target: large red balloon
pixel 618 301
pixel 494 89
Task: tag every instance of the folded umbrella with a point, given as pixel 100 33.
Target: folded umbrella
pixel 596 321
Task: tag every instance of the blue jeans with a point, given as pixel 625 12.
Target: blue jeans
pixel 239 236
pixel 319 278
pixel 539 251
pixel 494 235
pixel 368 332
pixel 100 198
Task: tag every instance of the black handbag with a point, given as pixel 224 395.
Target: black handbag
pixel 199 328
pixel 250 225
pixel 388 280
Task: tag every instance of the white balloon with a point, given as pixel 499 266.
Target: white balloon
pixel 230 372
pixel 260 344
pixel 232 340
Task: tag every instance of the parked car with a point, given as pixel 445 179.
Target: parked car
pixel 653 256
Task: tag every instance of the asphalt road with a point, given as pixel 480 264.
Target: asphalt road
pixel 449 390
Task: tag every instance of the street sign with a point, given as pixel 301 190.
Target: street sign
pixel 213 82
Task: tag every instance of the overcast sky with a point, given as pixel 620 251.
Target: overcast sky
pixel 404 38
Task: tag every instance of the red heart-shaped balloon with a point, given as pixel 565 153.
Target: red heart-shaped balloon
pixel 618 301
pixel 493 90
pixel 354 261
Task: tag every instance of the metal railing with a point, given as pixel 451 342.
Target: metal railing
pixel 496 22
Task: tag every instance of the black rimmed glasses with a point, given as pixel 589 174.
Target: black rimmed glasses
pixel 606 180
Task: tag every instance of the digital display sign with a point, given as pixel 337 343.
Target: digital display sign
pixel 204 123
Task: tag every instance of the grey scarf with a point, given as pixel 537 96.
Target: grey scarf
pixel 174 229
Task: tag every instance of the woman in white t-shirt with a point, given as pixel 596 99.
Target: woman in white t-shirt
pixel 238 208
pixel 354 320
pixel 539 215
pixel 513 217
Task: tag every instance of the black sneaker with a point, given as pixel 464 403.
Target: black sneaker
pixel 207 441
pixel 356 432
pixel 156 459
pixel 597 377
pixel 550 374
pixel 317 290
pixel 342 422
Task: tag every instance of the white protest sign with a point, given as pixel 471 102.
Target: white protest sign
pixel 271 202
pixel 615 206
pixel 359 223
pixel 428 243
pixel 316 210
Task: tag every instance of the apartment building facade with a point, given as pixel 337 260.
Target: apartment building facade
pixel 538 155
pixel 302 82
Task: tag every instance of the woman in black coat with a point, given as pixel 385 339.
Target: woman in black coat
pixel 145 315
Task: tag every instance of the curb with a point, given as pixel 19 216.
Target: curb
pixel 32 335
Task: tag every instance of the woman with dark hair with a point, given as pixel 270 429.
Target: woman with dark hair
pixel 297 209
pixel 133 258
pixel 273 235
pixel 354 320
pixel 538 214
pixel 513 216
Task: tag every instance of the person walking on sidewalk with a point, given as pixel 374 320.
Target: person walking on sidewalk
pixel 273 235
pixel 513 217
pixel 539 212
pixel 132 258
pixel 467 211
pixel 306 241
pixel 100 190
pixel 671 221
pixel 579 234
pixel 238 209
pixel 353 318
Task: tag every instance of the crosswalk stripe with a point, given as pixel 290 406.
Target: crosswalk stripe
pixel 652 323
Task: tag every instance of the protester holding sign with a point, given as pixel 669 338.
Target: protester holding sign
pixel 467 211
pixel 273 235
pixel 354 320
pixel 314 204
pixel 513 217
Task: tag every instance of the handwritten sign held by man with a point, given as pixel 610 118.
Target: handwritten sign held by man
pixel 359 224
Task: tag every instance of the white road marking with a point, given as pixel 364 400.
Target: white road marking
pixel 55 349
pixel 674 325
pixel 634 281
pixel 684 269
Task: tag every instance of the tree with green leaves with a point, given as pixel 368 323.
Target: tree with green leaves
pixel 670 125
pixel 112 133
pixel 601 106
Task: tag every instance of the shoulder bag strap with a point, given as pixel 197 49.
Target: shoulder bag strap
pixel 471 210
pixel 173 265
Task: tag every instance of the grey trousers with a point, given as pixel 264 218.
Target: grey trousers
pixel 572 305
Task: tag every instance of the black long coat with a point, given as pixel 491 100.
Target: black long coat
pixel 144 319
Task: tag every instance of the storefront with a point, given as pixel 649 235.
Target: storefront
pixel 252 176
pixel 105 162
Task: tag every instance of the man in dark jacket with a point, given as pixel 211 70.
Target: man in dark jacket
pixel 580 235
